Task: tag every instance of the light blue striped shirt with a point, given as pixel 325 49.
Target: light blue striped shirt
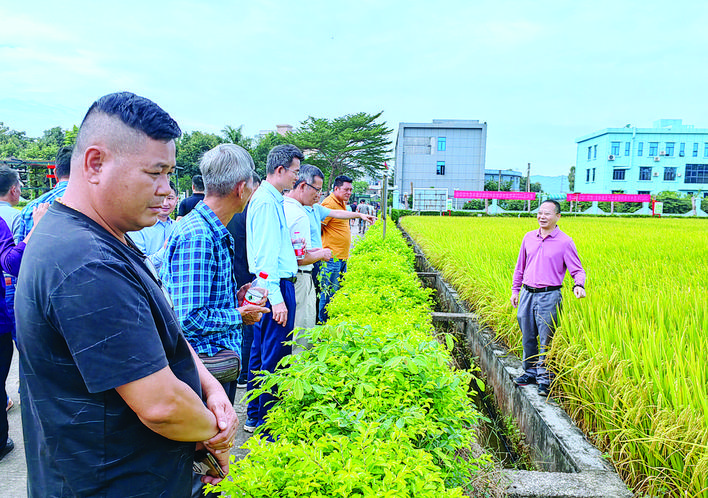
pixel 316 213
pixel 268 243
pixel 151 240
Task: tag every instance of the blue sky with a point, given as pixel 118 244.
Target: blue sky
pixel 541 74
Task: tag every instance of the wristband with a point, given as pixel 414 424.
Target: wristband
pixel 578 285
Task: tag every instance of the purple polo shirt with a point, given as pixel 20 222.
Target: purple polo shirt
pixel 543 261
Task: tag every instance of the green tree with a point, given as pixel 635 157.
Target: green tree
pixel 354 145
pixel 571 179
pixel 492 185
pixel 190 149
pixel 533 187
pixel 236 136
pixel 360 187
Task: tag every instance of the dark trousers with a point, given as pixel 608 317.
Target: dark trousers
pixel 537 315
pixel 246 342
pixel 5 361
pixel 330 276
pixel 268 349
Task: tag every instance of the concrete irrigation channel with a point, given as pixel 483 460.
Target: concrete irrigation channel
pixel 570 466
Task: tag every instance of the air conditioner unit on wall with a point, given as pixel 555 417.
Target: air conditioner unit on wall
pixel 656 159
pixel 656 174
pixel 611 157
pixel 662 153
pixel 678 174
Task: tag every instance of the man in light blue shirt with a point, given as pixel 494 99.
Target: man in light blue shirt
pixel 270 250
pixel 151 240
pixel 10 189
pixel 23 224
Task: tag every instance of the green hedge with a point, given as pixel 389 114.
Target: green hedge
pixel 374 408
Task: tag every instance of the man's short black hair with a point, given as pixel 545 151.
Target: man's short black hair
pixel 8 179
pixel 282 155
pixel 555 203
pixel 63 162
pixel 173 186
pixel 198 182
pixel 256 178
pixel 137 113
pixel 341 180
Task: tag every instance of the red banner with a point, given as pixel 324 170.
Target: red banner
pixel 609 197
pixel 493 194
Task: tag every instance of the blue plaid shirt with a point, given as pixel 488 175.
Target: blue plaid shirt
pixel 197 272
pixel 22 225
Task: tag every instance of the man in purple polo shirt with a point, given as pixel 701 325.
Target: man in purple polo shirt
pixel 544 257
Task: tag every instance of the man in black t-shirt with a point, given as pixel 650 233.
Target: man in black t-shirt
pixel 114 398
pixel 197 195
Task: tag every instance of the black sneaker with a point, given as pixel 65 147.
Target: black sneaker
pixel 543 390
pixel 525 380
pixel 9 446
pixel 250 425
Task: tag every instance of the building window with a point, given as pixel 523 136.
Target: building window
pixel 618 174
pixel 615 148
pixel 696 173
pixel 626 148
pixel 589 152
pixel 670 148
pixel 695 149
pixel 682 149
pixel 442 143
pixel 640 148
pixel 705 149
pixel 441 168
pixel 593 174
pixel 594 152
pixel 669 174
pixel 645 173
pixel 643 192
pixel 653 148
pixel 587 175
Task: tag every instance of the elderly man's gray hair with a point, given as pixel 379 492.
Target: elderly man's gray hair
pixel 308 173
pixel 223 167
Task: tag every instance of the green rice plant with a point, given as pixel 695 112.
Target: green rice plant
pixel 631 357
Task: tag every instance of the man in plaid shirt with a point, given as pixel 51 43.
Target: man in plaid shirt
pixel 197 269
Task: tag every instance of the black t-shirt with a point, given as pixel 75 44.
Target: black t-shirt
pixel 188 204
pixel 237 229
pixel 92 317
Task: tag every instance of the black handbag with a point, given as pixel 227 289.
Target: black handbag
pixel 224 365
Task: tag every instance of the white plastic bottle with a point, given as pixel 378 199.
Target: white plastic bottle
pixel 298 246
pixel 255 293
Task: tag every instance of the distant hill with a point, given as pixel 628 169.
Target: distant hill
pixel 552 184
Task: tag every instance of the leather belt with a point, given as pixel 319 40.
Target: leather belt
pixel 304 271
pixel 534 290
pixel 292 279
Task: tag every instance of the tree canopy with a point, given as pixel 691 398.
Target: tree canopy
pixel 354 145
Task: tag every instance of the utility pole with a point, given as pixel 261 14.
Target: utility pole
pixel 499 182
pixel 528 183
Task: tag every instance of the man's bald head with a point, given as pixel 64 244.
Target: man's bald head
pixel 121 121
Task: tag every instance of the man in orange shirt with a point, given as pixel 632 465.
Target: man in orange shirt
pixel 336 236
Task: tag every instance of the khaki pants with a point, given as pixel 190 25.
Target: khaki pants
pixel 305 309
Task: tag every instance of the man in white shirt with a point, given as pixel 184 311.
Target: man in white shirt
pixel 306 192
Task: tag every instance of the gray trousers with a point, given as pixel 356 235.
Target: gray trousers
pixel 537 316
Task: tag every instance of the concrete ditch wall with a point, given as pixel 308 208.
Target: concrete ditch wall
pixel 572 466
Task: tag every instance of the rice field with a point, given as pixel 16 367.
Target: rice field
pixel 631 358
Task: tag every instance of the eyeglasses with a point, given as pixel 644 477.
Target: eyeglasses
pixel 318 190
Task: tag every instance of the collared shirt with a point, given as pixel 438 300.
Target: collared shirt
pixel 268 244
pixel 151 240
pixel 8 213
pixel 336 234
pixel 298 221
pixel 24 223
pixel 197 273
pixel 543 261
pixel 316 213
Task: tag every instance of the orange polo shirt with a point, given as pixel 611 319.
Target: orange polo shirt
pixel 335 233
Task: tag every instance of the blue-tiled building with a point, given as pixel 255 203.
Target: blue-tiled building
pixel 447 153
pixel 507 176
pixel 669 156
